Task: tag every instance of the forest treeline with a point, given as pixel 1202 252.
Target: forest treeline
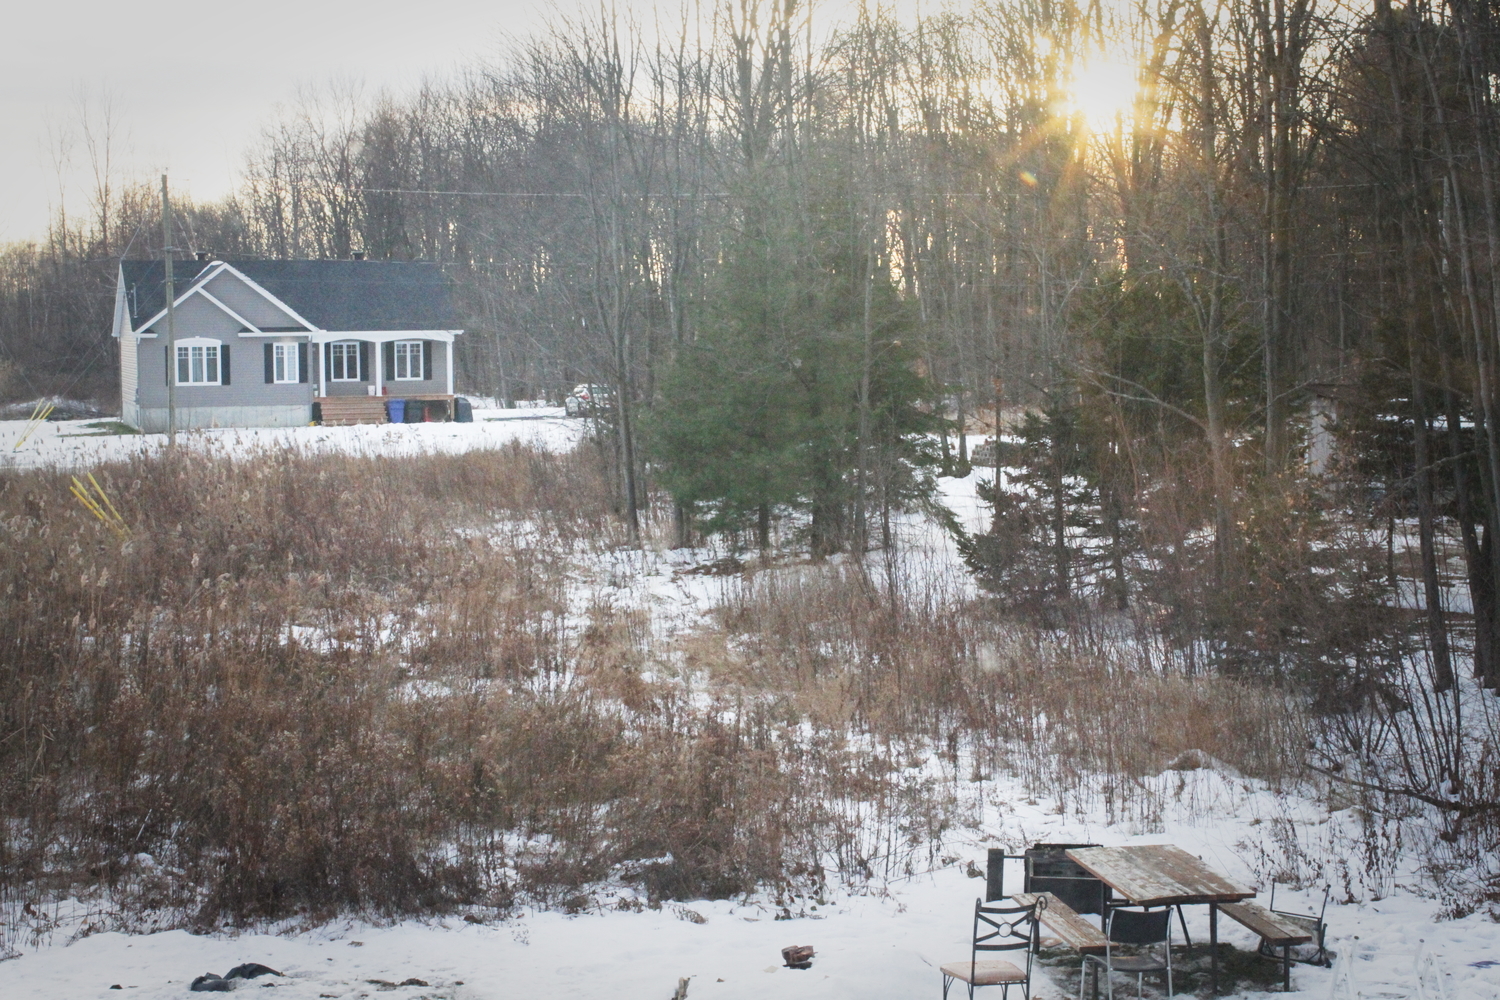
pixel 1246 327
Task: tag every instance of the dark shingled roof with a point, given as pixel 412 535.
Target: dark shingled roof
pixel 334 294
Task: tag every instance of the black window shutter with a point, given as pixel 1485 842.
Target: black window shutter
pixel 167 355
pixel 388 352
pixel 301 362
pixel 327 359
pixel 270 364
pixel 364 361
pixel 427 359
pixel 223 364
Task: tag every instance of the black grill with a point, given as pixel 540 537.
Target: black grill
pixel 1049 869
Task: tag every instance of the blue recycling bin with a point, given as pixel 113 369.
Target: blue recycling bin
pixel 395 410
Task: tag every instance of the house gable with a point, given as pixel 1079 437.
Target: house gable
pixel 199 316
pixel 252 310
pixel 258 309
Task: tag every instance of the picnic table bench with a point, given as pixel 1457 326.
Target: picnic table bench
pixel 1069 925
pixel 1275 930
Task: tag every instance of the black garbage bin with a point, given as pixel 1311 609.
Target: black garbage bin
pixel 416 410
pixel 463 410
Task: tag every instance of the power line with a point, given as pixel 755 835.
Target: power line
pixel 704 194
pixel 479 194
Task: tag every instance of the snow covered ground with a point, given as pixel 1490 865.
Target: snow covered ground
pixel 884 942
pixel 79 443
pixel 869 947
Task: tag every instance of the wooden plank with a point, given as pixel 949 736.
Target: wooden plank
pixel 1268 925
pixel 341 411
pixel 353 402
pixel 1158 875
pixel 1062 920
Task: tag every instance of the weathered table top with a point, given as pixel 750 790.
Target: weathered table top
pixel 1158 875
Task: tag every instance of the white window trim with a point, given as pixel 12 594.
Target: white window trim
pixel 412 347
pixel 187 344
pixel 288 361
pixel 346 344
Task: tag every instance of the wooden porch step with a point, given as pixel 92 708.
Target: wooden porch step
pixel 341 411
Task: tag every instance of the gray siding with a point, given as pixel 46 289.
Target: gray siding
pixel 349 388
pixel 247 383
pixel 198 317
pixel 128 344
pixel 246 301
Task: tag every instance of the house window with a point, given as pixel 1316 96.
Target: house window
pixel 198 364
pixel 343 365
pixel 409 359
pixel 284 363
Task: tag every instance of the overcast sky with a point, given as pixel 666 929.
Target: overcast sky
pixel 191 93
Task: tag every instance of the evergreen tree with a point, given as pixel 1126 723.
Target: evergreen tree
pixel 1047 510
pixel 759 414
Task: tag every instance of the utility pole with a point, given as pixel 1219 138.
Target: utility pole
pixel 166 253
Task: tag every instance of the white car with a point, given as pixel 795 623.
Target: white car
pixel 587 400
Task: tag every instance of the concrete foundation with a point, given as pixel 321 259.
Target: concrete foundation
pixel 154 421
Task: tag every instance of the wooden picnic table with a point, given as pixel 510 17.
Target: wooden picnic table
pixel 1164 875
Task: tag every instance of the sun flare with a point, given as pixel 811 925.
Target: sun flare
pixel 1103 92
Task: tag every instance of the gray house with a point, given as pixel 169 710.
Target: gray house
pixel 277 343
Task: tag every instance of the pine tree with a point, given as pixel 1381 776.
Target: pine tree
pixel 759 414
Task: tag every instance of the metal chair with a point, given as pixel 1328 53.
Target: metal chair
pixel 1140 931
pixel 998 929
pixel 1315 952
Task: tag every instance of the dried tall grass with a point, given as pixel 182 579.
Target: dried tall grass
pixel 1062 709
pixel 308 684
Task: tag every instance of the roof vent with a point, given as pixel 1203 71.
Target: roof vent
pixel 358 255
pixel 202 254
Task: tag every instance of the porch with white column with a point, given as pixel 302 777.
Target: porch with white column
pixel 372 408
